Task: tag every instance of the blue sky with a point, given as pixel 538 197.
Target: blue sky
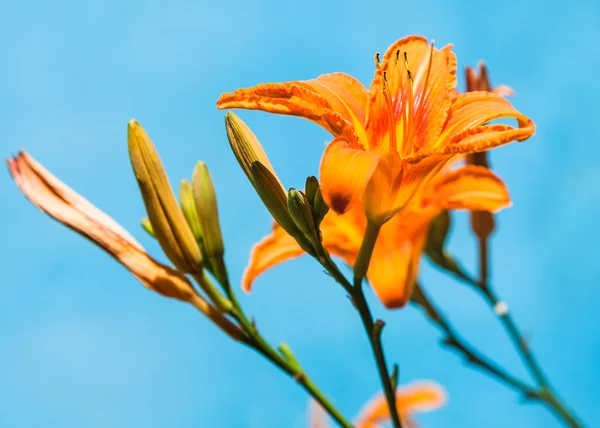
pixel 84 345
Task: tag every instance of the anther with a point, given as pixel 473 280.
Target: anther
pixel 377 62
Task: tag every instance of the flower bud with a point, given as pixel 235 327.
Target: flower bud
pixel 188 206
pixel 301 213
pixel 270 192
pixel 206 205
pixel 168 222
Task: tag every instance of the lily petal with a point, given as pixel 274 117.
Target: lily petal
pixel 394 268
pixel 415 397
pixel 275 248
pixel 63 204
pixel 342 236
pixel 473 109
pixel 427 99
pixel 335 101
pixel 344 174
pixel 470 187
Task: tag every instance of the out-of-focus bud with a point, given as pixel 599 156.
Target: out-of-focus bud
pixel 301 213
pixel 147 227
pixel 188 206
pixel 168 222
pixel 206 205
pixel 482 222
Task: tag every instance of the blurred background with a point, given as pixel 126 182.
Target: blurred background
pixel 83 344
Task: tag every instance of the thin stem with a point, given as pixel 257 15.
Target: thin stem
pixel 544 393
pixel 472 355
pixel 291 367
pixel 373 329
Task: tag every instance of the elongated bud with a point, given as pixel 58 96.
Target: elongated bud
pixel 147 227
pixel 188 206
pixel 301 212
pixel 270 192
pixel 482 222
pixel 206 205
pixel 168 222
pixel 246 147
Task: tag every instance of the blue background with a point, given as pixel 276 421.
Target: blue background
pixel 83 344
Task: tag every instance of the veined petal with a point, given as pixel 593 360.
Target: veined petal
pixel 419 108
pixel 473 109
pixel 275 248
pixel 335 101
pixel 415 397
pixel 344 174
pixel 393 268
pixel 470 187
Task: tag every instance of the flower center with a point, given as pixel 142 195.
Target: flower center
pixel 402 105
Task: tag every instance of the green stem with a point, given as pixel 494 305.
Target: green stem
pixel 289 366
pixel 472 355
pixel 544 392
pixel 373 329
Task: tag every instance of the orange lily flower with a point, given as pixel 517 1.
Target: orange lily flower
pixel 415 397
pixel 395 261
pixel 390 140
pixel 65 205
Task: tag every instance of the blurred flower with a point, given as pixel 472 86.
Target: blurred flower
pixel 416 397
pixel 60 202
pixel 390 140
pixel 395 260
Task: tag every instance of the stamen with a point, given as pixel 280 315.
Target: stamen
pixel 391 119
pixel 407 123
pixel 377 62
pixel 407 70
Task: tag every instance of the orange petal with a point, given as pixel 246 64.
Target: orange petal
pixel 382 188
pixel 473 109
pixel 395 261
pixel 418 396
pixel 344 174
pixel 395 184
pixel 274 249
pixel 60 202
pixel 317 416
pixel 470 187
pixel 429 97
pixel 335 101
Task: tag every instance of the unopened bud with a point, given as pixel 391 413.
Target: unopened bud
pixel 188 206
pixel 246 147
pixel 206 205
pixel 301 212
pixel 482 223
pixel 168 222
pixel 273 197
